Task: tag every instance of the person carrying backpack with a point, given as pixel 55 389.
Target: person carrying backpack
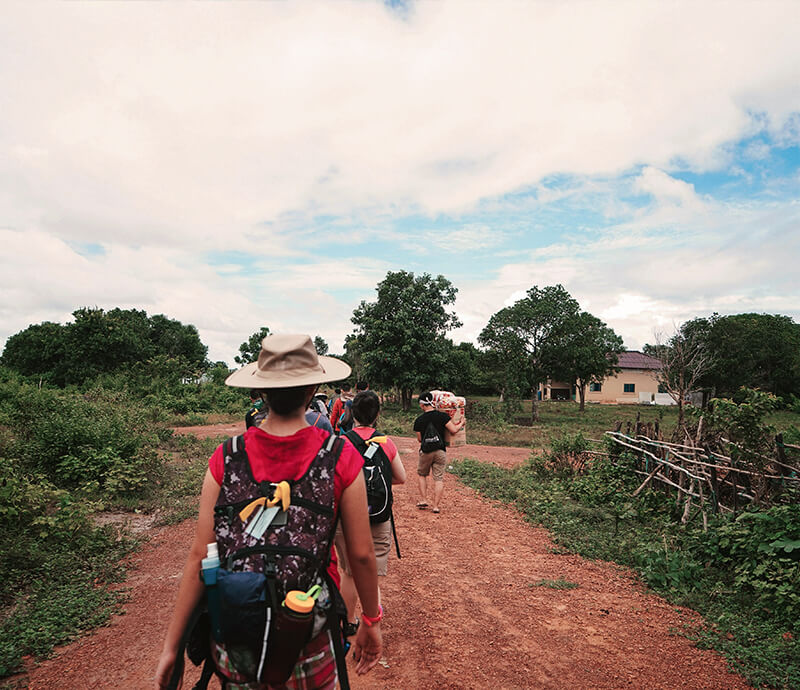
pixel 430 428
pixel 342 411
pixel 382 469
pixel 270 502
pixel 257 412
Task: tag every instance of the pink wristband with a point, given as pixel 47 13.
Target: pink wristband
pixel 369 622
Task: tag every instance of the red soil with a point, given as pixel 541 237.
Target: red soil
pixel 462 608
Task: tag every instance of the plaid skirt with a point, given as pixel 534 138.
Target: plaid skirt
pixel 315 668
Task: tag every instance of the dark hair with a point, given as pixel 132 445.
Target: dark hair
pixel 362 386
pixel 426 398
pixel 337 390
pixel 346 387
pixel 366 407
pixel 284 401
pixel 255 393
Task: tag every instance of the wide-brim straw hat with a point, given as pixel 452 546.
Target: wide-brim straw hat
pixel 286 361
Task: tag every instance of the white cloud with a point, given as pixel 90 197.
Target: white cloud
pixel 731 258
pixel 167 133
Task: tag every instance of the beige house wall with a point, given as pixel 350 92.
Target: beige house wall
pixel 613 388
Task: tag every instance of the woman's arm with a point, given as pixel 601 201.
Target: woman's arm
pixel 191 587
pixel 361 555
pixel 398 470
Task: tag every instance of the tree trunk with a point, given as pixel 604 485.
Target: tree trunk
pixel 405 396
pixel 582 393
pixel 534 404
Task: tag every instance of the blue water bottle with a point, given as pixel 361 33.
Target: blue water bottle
pixel 209 568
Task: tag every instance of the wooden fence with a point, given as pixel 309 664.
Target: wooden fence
pixel 720 479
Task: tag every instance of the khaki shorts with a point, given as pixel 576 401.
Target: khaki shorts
pixel 432 462
pixel 381 540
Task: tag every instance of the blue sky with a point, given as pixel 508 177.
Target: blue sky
pixel 247 164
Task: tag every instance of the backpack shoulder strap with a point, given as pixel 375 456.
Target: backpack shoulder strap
pixel 356 440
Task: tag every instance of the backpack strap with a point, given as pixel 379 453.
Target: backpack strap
pixel 359 443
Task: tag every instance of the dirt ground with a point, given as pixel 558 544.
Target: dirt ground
pixel 463 609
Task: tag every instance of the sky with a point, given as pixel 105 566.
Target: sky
pixel 238 165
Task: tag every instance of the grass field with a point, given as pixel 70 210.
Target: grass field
pixel 485 425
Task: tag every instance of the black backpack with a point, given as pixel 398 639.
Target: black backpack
pixel 377 475
pixel 431 439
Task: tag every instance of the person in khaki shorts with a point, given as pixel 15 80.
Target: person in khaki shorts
pixel 366 409
pixel 430 428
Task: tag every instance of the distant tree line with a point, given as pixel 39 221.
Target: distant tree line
pixel 400 341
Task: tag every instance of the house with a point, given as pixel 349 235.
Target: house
pixel 636 382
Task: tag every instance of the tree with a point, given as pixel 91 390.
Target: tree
pixel 529 335
pixel 39 350
pixel 401 336
pixel 248 350
pixel 589 353
pixel 760 351
pixel 99 342
pixel 684 362
pixel 320 345
pixel 175 339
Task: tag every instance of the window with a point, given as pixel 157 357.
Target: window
pixel 629 387
pixel 595 387
pixel 662 388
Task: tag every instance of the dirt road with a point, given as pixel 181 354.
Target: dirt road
pixel 463 609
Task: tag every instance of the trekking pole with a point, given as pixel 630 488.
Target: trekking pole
pixel 394 533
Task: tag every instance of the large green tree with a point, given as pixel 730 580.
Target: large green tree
pixel 99 342
pixel 400 337
pixel 759 351
pixel 529 335
pixel 588 353
pixel 249 349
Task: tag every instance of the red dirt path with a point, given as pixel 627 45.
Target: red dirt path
pixel 462 609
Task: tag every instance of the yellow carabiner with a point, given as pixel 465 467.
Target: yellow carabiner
pixel 247 511
pixel 283 494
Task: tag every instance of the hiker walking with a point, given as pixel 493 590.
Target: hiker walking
pixel 342 413
pixel 382 469
pixel 305 476
pixel 430 428
pixel 258 410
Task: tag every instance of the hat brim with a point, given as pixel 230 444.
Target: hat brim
pixel 250 376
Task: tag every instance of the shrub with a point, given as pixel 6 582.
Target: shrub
pixel 73 439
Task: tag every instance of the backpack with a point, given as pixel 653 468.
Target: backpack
pixel 255 415
pixel 345 421
pixel 317 405
pixel 258 568
pixel 431 440
pixel 377 475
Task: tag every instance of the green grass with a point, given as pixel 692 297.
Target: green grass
pixel 559 583
pixel 486 426
pixel 74 585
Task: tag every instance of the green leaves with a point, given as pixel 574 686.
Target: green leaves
pixel 400 338
pixel 99 342
pixel 249 349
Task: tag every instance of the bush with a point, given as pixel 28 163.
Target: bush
pixel 96 439
pixel 54 558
